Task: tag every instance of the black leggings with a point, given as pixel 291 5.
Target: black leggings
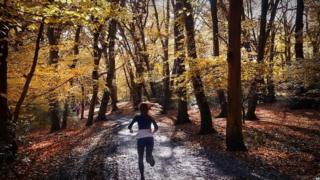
pixel 145 143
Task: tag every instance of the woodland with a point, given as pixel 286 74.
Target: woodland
pixel 235 80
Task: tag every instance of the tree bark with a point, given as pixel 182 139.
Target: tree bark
pixel 234 137
pixel 271 95
pixel 66 110
pixel 8 146
pixel 223 104
pixel 165 43
pixel 53 34
pixel 82 102
pixel 299 30
pixel 215 27
pixel 216 52
pixel 95 76
pixel 29 76
pixel 110 58
pixel 287 39
pixel 263 36
pixel 65 116
pixel 205 113
pixel 179 67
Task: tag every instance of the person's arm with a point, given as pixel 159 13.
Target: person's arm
pixel 131 124
pixel 155 125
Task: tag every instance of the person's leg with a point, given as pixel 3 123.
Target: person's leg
pixel 149 149
pixel 141 145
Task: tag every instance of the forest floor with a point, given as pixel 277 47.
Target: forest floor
pixel 281 145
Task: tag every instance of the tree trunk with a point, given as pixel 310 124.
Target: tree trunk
pixel 73 65
pixel 103 106
pixel 223 104
pixel 53 35
pixel 316 46
pixel 179 67
pixel 164 42
pixel 216 49
pixel 110 58
pixel 111 71
pixel 234 137
pixel 95 76
pixel 205 113
pixel 263 36
pixel 299 30
pixel 29 76
pixel 82 102
pixel 215 27
pixel 263 33
pixel 287 39
pixel 271 95
pixel 8 146
pixel 65 116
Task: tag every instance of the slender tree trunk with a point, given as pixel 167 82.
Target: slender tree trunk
pixel 164 42
pixel 110 57
pixel 166 70
pixel 76 46
pixel 111 71
pixel 271 95
pixel 315 45
pixel 66 110
pixel 287 39
pixel 8 146
pixel 53 35
pixel 223 104
pixel 299 30
pixel 103 106
pixel 205 113
pixel 253 96
pixel 216 49
pixel 65 116
pixel 263 36
pixel 138 59
pixel 29 76
pixel 179 66
pixel 95 77
pixel 82 102
pixel 234 137
pixel 215 27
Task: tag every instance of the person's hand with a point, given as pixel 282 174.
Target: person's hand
pixel 131 131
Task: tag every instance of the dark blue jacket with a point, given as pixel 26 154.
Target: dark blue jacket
pixel 144 122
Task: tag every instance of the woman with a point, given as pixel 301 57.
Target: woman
pixel 144 136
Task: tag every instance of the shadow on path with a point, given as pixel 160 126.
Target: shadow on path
pixel 117 159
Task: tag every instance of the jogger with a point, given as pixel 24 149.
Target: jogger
pixel 145 136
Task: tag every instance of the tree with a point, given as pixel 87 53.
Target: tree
pixel 216 52
pixel 8 147
pixel 263 36
pixel 95 74
pixel 234 137
pixel 205 113
pixel 299 30
pixel 270 96
pixel 53 34
pixel 135 87
pixel 110 58
pixel 179 66
pixel 72 66
pixel 164 42
pixel 29 76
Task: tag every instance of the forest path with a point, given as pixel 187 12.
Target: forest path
pixel 118 159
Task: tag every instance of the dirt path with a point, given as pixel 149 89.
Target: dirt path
pixel 117 159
